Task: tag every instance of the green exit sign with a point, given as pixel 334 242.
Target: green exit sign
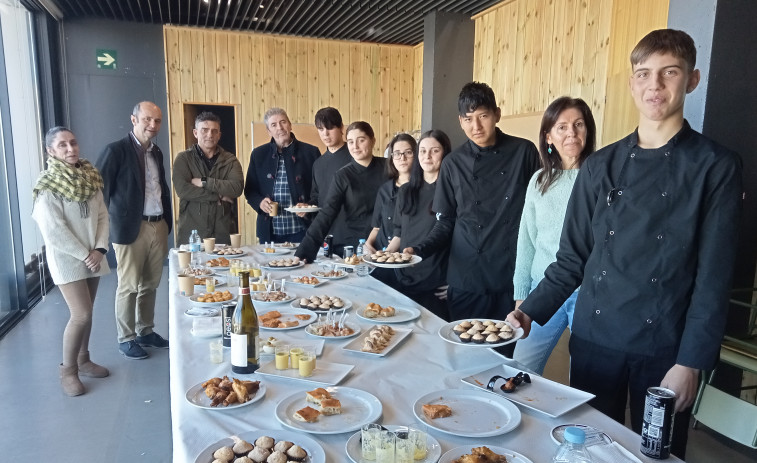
pixel 106 59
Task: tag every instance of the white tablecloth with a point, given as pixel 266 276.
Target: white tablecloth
pixel 423 363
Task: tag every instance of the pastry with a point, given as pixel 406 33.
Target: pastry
pixel 371 312
pixel 277 457
pixel 259 454
pixel 317 395
pixel 282 446
pixel 478 338
pixel 433 412
pixel 297 453
pixel 307 414
pixel 387 312
pixel 465 337
pixel 331 407
pixel 242 447
pixel 244 460
pixel 224 453
pixel 493 339
pixel 265 441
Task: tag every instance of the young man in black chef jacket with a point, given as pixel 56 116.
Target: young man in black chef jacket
pixel 650 236
pixel 478 201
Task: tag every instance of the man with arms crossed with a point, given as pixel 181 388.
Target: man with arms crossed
pixel 650 236
pixel 139 207
pixel 478 201
pixel 208 180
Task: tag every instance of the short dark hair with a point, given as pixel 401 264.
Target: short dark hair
pixel 363 126
pixel 391 170
pixel 552 162
pixel 328 118
pixel 476 95
pixel 662 41
pixel 207 116
pixel 52 133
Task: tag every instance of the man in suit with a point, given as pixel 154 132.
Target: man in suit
pixel 139 206
pixel 280 171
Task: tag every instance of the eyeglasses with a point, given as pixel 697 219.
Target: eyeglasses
pixel 402 154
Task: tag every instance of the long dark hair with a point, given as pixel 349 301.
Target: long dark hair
pixel 551 162
pixel 411 190
pixel 391 170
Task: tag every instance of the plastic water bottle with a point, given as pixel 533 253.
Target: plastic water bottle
pixel 573 448
pixel 195 247
pixel 360 246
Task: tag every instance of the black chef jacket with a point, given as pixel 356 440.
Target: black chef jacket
pixel 479 195
pixel 354 191
pixel 654 265
pixel 383 211
pixel 324 169
pixel 412 229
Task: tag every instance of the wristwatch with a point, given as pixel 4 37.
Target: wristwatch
pixel 204 181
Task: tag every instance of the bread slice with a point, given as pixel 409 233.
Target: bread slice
pixel 331 407
pixel 270 315
pixel 317 395
pixel 307 414
pixel 433 412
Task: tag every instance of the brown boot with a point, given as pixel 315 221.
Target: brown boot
pixel 90 368
pixel 69 380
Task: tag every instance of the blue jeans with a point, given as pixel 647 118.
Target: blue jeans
pixel 534 351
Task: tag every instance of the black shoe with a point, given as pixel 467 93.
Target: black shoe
pixel 131 350
pixel 152 340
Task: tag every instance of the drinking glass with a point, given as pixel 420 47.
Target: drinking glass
pixel 369 436
pixel 294 355
pixel 281 356
pixel 307 362
pixel 404 446
pixel 418 436
pixel 385 447
pixel 216 351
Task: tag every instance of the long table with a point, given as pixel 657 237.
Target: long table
pixel 422 364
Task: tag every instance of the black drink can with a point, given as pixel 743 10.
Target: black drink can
pixel 227 310
pixel 657 428
pixel 328 244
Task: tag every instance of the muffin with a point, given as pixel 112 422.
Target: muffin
pixel 259 455
pixel 478 338
pixel 458 329
pixel 466 324
pixel 296 453
pixel 242 447
pixel 465 337
pixel 505 335
pixel 493 339
pixel 472 331
pixel 224 453
pixel 277 457
pixel 265 441
pixel 282 446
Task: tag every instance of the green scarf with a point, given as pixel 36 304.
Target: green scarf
pixel 78 182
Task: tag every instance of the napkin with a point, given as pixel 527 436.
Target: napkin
pixel 611 453
pixel 206 327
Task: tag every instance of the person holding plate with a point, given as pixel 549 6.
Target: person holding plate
pixel 351 198
pixel 414 219
pixel 73 219
pixel 567 136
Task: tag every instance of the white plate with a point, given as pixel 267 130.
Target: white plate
pixel 266 267
pixel 193 301
pixel 401 314
pixel 291 281
pixel 545 396
pixel 358 408
pixel 312 447
pixel 457 452
pixel 228 256
pixel 196 396
pixel 320 274
pixel 276 251
pixel 399 335
pixel 354 448
pixel 473 415
pixel 446 333
pixel 413 260
pixel 219 282
pixel 347 305
pixel 290 297
pixel 355 327
pixel 325 373
pixel 296 209
pixel 202 312
pixel 287 315
pixel 282 246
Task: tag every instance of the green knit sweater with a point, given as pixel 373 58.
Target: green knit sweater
pixel 540 229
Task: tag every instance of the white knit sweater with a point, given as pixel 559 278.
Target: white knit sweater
pixel 69 237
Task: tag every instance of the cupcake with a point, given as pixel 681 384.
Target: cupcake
pixel 465 337
pixel 265 441
pixel 259 455
pixel 500 324
pixel 505 335
pixel 458 329
pixel 491 329
pixel 242 447
pixel 506 329
pixel 277 457
pixel 466 324
pixel 478 338
pixel 488 323
pixel 224 453
pixel 472 331
pixel 296 453
pixel 493 339
pixel 282 446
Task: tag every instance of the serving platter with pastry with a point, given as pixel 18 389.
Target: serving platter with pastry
pixel 379 341
pixel 392 259
pixel 196 271
pixel 322 303
pixel 286 245
pixel 271 249
pixel 299 209
pixel 201 280
pixel 375 313
pixel 285 319
pixel 541 394
pixel 333 410
pixel 353 448
pixel 483 454
pixel 225 393
pixel 287 263
pixel 480 333
pixel 264 445
pixel 228 251
pixel 305 280
pixel 461 413
pixel 335 274
pixel 333 329
pixel 214 299
pixel 264 298
pixel 219 263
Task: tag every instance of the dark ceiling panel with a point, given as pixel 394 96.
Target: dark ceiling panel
pixel 378 21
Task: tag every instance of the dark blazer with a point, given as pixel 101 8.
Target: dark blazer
pixel 124 190
pixel 261 175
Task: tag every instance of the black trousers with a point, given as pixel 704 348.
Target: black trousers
pixel 614 377
pixel 467 305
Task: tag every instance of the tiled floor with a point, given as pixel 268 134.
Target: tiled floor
pixel 126 417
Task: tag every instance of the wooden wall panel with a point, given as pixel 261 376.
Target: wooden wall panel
pixel 533 51
pixel 380 84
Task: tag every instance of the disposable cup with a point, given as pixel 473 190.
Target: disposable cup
pixel 210 244
pixel 186 285
pixel 236 240
pixel 184 258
